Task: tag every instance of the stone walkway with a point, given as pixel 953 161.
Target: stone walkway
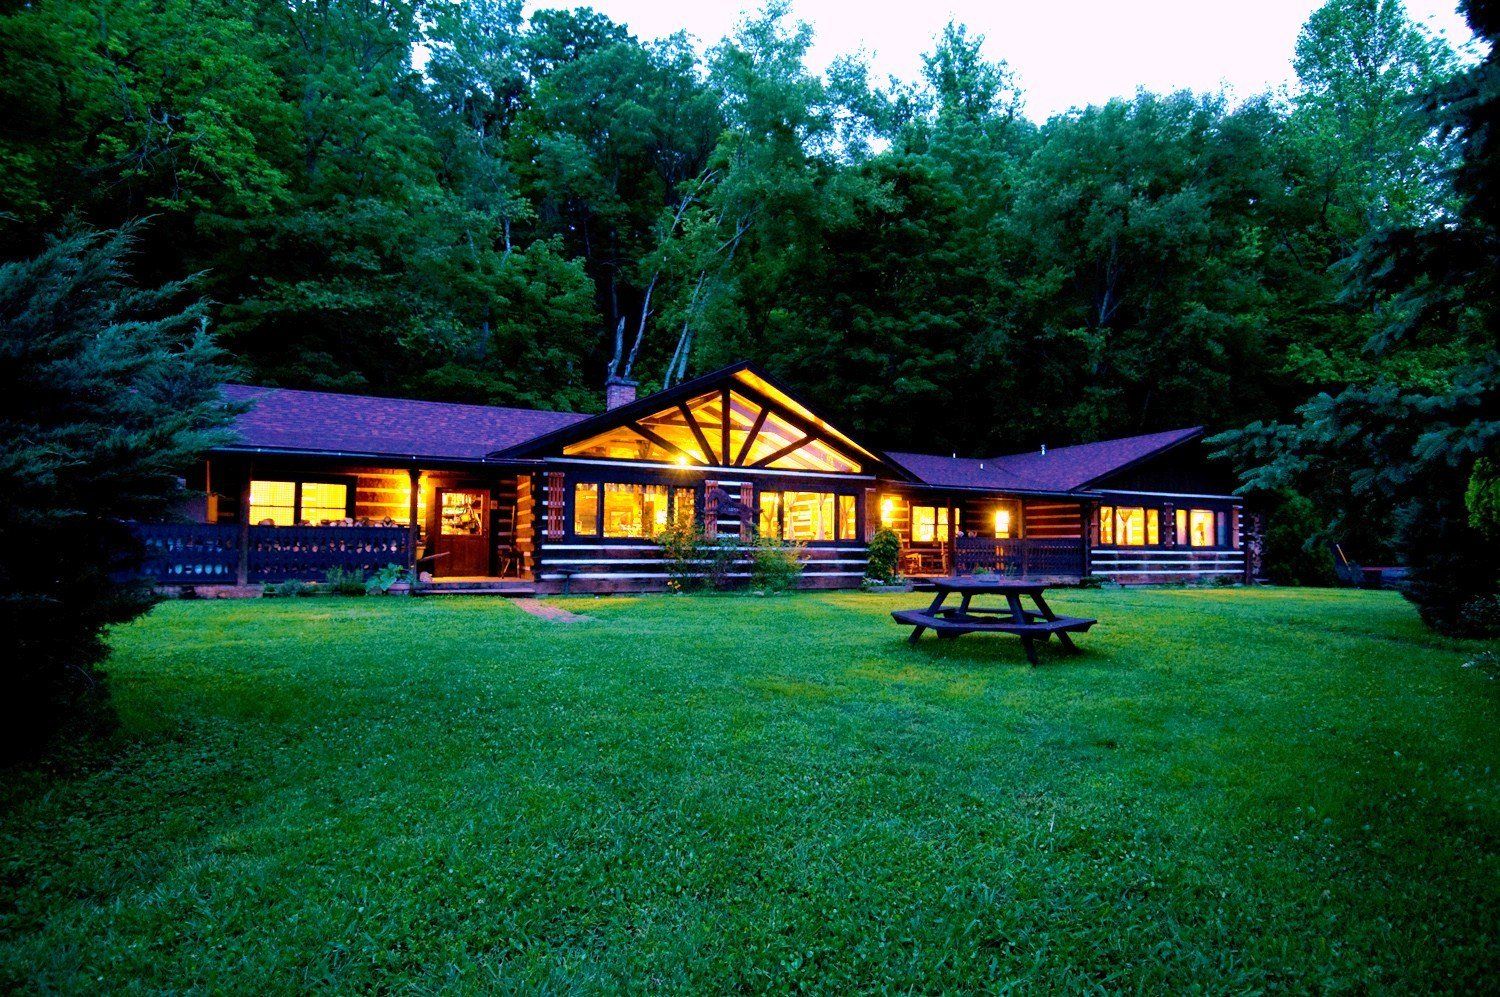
pixel 554 614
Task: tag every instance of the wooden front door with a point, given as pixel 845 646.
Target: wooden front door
pixel 463 532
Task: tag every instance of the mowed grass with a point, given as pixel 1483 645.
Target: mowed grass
pixel 1229 790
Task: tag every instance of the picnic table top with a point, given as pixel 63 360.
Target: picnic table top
pixel 987 584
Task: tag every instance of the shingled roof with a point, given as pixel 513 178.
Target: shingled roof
pixel 284 419
pixel 1063 469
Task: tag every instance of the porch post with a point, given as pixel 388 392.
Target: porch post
pixel 242 569
pixel 1088 529
pixel 413 531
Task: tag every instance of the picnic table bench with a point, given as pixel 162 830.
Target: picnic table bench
pixel 1031 625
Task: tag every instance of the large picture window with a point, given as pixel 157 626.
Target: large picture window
pixel 622 511
pixel 1129 526
pixel 807 516
pixel 634 511
pixel 929 524
pixel 1198 528
pixel 290 503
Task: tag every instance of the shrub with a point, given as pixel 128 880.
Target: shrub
pixel 342 581
pixel 381 581
pixel 680 544
pixel 884 551
pixel 291 587
pixel 775 564
pixel 1295 548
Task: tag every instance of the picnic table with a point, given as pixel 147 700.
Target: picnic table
pixel 1031 625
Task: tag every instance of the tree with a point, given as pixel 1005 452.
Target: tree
pixel 107 392
pixel 1417 443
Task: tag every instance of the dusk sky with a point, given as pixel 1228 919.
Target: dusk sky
pixel 1065 52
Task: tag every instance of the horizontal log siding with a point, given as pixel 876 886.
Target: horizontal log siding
pixel 1141 565
pixel 1049 520
pixel 636 567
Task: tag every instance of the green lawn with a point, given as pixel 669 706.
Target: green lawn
pixel 1234 790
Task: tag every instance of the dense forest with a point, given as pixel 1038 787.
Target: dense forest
pixel 454 200
pixel 463 201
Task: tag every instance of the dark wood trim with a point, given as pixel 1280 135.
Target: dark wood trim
pixel 799 423
pixel 724 429
pixel 760 420
pixel 777 455
pixel 414 476
pixel 692 422
pixel 663 442
pixel 242 569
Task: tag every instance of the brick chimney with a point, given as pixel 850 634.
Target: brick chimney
pixel 618 391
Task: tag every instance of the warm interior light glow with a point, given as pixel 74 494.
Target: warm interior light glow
pixel 887 511
pixel 1002 522
pixel 681 461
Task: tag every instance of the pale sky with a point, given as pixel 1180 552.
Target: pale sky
pixel 1066 52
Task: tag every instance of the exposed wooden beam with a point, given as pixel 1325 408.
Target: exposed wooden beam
pixel 760 420
pixel 662 441
pixel 778 454
pixel 724 429
pixel 692 422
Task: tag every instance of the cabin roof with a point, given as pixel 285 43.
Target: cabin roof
pixel 330 423
pixel 325 422
pixel 1063 469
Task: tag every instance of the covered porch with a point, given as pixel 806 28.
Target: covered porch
pixel 955 532
pixel 251 521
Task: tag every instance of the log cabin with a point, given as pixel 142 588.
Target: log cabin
pixel 523 500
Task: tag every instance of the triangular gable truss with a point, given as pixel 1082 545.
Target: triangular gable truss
pixel 730 418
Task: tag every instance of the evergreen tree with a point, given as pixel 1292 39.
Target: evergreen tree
pixel 107 392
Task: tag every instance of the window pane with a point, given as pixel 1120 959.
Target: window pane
pixel 1106 524
pixel 808 515
pixel 273 502
pixel 1006 521
pixel 1153 526
pixel 461 514
pixel 770 514
pixel 847 519
pixel 1130 526
pixel 1182 531
pixel 923 523
pixel 1201 528
pixel 626 444
pixel 586 510
pixel 634 511
pixel 683 510
pixel 323 502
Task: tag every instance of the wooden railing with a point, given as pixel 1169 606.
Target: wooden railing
pixel 209 554
pixel 1018 558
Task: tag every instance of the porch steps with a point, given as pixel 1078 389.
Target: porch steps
pixel 481 586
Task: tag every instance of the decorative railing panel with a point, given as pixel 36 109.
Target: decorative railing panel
pixel 1018 558
pixel 190 553
pixel 279 553
pixel 209 554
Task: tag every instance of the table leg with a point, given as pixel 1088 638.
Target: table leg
pixel 1017 611
pixel 1047 614
pixel 1030 644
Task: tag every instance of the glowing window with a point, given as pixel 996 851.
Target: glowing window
pixel 634 511
pixel 1126 526
pixel 929 524
pixel 807 515
pixel 770 514
pixel 1200 527
pixel 848 520
pixel 461 514
pixel 586 510
pixel 287 503
pixel 1006 521
pixel 322 501
pixel 684 506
